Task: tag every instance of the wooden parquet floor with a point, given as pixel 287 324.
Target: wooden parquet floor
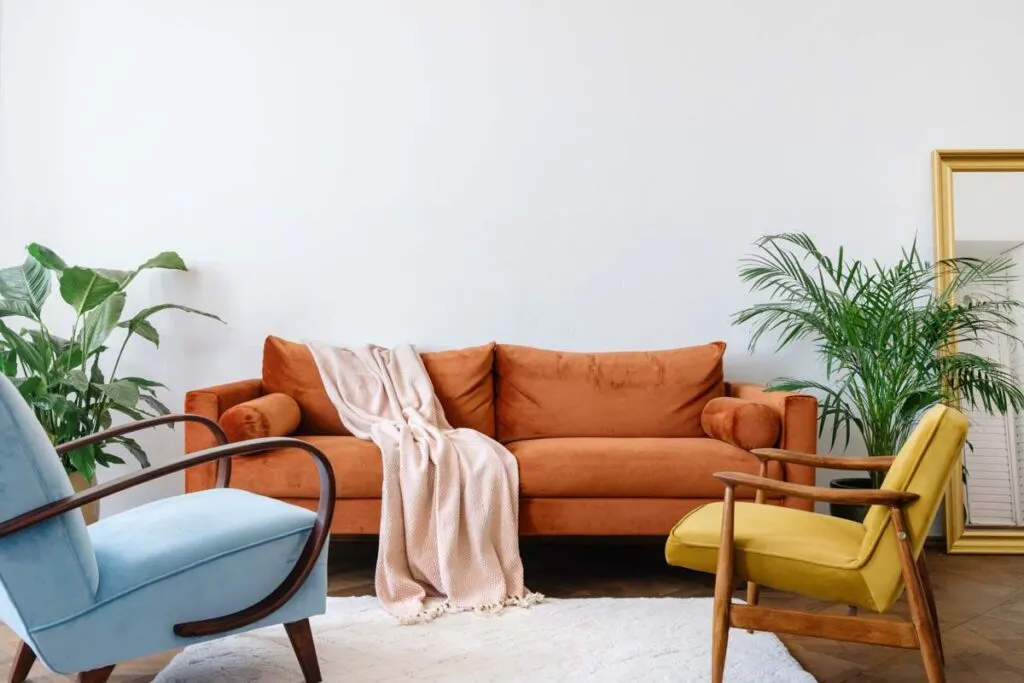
pixel 980 601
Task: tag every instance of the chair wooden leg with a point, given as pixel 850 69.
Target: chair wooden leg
pixel 753 590
pixel 24 658
pixel 96 675
pixel 926 581
pixel 925 626
pixel 723 590
pixel 753 595
pixel 301 638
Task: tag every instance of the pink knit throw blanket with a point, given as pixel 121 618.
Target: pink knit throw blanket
pixel 449 527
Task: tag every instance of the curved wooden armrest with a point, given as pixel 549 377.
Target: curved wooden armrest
pixel 280 595
pixel 223 466
pixel 854 496
pixel 871 464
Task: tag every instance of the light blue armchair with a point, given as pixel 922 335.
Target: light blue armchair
pixel 161 576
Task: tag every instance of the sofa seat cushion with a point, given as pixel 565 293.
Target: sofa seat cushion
pixel 593 467
pixel 196 556
pixel 291 473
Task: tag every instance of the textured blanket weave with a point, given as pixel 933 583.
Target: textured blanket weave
pixel 449 528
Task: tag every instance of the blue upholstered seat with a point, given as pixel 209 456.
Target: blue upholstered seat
pixel 86 597
pixel 185 558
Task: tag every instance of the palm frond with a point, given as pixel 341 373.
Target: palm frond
pixel 891 343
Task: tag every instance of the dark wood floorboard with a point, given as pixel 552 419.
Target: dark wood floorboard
pixel 980 601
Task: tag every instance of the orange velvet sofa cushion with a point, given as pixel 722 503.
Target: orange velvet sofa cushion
pixel 542 393
pixel 462 379
pixel 548 468
pixel 291 473
pixel 546 516
pixel 268 415
pixel 464 382
pixel 601 467
pixel 289 368
pixel 745 424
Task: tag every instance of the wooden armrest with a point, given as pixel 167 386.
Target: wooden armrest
pixel 878 463
pixel 280 595
pixel 854 496
pixel 223 465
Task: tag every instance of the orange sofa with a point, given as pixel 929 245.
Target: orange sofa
pixel 607 443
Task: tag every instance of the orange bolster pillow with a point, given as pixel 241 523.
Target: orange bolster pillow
pixel 745 424
pixel 270 415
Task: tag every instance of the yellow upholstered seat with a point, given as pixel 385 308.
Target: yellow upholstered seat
pixel 790 550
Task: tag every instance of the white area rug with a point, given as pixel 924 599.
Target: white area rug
pixel 637 640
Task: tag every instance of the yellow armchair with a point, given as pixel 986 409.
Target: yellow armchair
pixel 866 566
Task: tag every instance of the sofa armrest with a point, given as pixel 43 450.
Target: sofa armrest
pixel 211 402
pixel 798 414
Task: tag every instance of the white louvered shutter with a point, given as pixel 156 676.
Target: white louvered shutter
pixel 993 492
pixel 1016 289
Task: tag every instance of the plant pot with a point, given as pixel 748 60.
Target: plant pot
pixel 91 511
pixel 854 513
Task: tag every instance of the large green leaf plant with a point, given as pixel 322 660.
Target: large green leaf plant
pixel 892 342
pixel 62 377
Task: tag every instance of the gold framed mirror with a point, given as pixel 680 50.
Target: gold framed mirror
pixel 979 211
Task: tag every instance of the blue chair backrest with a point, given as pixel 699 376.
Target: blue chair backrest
pixel 47 571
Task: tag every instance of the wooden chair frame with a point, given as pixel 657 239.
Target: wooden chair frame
pixel 299 633
pixel 921 633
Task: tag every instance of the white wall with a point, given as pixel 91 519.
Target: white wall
pixel 582 174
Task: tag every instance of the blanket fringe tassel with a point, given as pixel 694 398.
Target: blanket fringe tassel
pixel 528 600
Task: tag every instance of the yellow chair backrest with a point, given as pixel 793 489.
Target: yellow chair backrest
pixel 923 466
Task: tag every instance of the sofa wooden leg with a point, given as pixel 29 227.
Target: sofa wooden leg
pixel 723 590
pixel 96 675
pixel 924 624
pixel 24 658
pixel 301 638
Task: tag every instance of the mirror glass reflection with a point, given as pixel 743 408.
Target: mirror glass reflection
pixel 988 212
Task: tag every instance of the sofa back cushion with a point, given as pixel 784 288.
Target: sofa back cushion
pixel 464 383
pixel 542 393
pixel 462 379
pixel 289 368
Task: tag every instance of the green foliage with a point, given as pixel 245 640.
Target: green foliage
pixel 62 378
pixel 893 345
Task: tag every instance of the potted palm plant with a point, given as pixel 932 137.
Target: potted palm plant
pixel 62 376
pixel 891 343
